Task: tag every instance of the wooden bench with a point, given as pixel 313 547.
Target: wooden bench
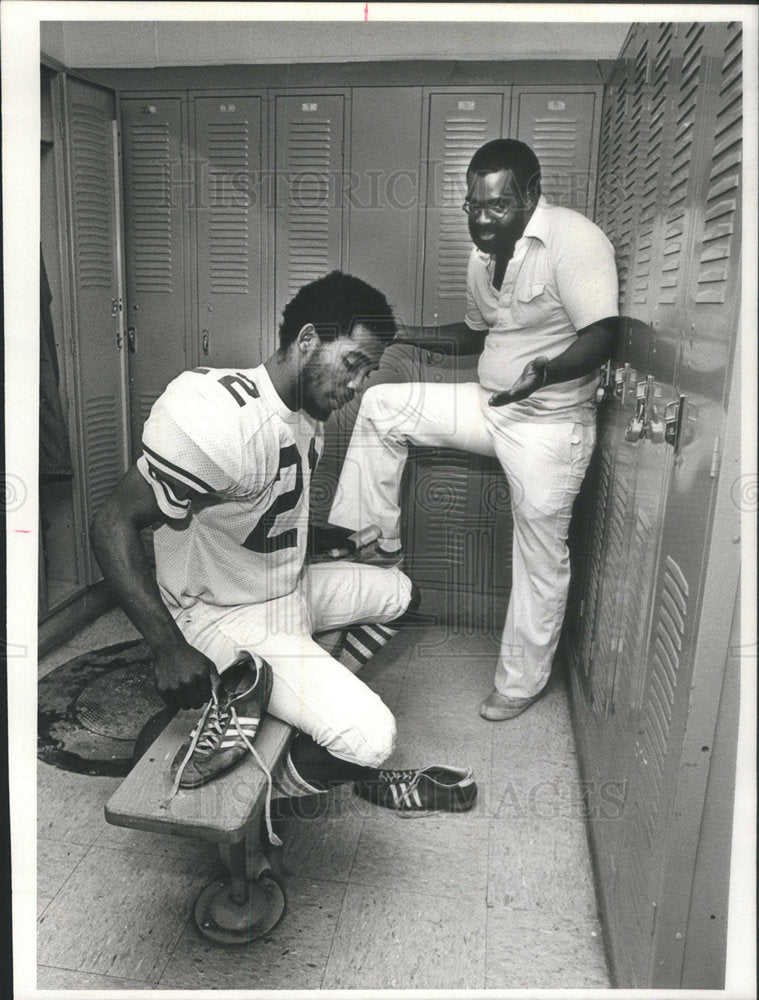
pixel 228 812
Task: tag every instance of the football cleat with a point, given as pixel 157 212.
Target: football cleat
pixel 228 724
pixel 413 793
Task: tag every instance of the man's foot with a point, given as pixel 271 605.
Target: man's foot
pixel 231 717
pixel 420 792
pixel 498 707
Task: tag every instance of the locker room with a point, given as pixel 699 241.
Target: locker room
pixel 193 178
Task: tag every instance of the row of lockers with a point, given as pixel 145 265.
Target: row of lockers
pixel 195 218
pixel 233 202
pixel 656 529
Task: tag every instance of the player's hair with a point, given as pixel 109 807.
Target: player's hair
pixel 334 304
pixel 509 154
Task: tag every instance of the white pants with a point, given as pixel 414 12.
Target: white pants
pixel 545 464
pixel 310 689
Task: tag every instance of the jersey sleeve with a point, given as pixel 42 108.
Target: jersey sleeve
pixel 586 274
pixel 189 449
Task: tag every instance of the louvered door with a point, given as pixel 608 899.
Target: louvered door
pixel 309 191
pixel 458 124
pixel 226 212
pixel 560 127
pixel 711 292
pixel 96 294
pixel 676 141
pixel 155 189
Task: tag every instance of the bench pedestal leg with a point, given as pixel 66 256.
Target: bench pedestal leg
pixel 245 905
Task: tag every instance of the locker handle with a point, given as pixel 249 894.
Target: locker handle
pixel 131 339
pixel 206 343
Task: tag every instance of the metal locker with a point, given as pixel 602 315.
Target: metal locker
pixel 309 191
pixel 560 127
pixel 96 293
pixel 226 212
pixel 681 87
pixel 155 191
pixel 384 192
pixel 708 423
pixel 458 124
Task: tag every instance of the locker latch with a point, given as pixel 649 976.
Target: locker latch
pixel 206 342
pixel 606 388
pixel 132 339
pixel 646 422
pixel 625 382
pixel 634 429
pixel 680 423
pixel 653 421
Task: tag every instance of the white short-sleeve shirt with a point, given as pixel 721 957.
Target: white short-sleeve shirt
pixel 561 279
pixel 230 466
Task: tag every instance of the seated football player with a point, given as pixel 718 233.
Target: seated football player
pixel 224 476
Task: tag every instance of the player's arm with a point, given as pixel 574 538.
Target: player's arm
pixel 182 672
pixel 449 339
pixel 593 347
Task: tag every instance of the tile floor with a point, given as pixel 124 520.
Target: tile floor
pixel 500 898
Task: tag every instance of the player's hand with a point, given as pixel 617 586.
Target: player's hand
pixel 183 676
pixel 531 379
pixel 323 538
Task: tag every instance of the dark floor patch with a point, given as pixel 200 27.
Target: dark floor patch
pixel 93 709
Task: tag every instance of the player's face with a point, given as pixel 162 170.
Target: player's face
pixel 498 210
pixel 337 371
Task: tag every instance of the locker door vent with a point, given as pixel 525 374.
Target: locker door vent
pixel 462 137
pixel 680 169
pixel 149 182
pixel 640 194
pixel 607 181
pixel 595 561
pixel 441 493
pixel 652 746
pixel 103 456
pixel 631 653
pixel 309 151
pixel 91 191
pixel 723 197
pixel 655 115
pixel 228 223
pixel 619 166
pixel 604 652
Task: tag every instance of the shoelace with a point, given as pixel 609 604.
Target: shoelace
pixel 390 777
pixel 408 780
pixel 211 739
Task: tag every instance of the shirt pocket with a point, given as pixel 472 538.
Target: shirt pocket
pixel 532 305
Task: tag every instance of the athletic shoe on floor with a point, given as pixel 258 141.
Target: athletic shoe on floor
pixel 437 788
pixel 228 725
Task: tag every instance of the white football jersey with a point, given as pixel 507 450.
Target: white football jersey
pixel 230 466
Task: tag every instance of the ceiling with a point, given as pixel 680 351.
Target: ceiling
pixel 103 44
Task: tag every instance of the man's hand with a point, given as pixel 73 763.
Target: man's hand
pixel 183 675
pixel 532 378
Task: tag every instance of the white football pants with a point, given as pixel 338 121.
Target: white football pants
pixel 545 464
pixel 311 690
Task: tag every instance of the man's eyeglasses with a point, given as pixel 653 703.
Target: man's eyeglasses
pixel 495 209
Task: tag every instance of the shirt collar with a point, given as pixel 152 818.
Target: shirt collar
pixel 538 224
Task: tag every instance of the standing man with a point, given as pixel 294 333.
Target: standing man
pixel 542 310
pixel 226 464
